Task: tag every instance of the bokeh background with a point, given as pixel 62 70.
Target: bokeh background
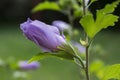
pixel 14 45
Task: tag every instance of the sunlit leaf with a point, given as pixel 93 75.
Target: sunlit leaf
pixel 88 24
pixel 61 55
pixel 112 73
pixel 46 6
pixel 104 19
pixel 107 20
pixel 109 8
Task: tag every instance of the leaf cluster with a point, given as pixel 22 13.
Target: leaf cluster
pixel 104 19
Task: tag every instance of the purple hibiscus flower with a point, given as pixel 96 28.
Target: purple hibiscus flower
pixel 24 65
pixel 47 37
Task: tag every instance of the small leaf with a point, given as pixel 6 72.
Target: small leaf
pixel 46 6
pixel 112 73
pixel 61 55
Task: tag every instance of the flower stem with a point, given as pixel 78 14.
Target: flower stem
pixel 87 47
pixel 87 63
pixel 84 7
pixel 81 61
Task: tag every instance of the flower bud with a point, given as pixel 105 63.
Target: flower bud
pixel 47 37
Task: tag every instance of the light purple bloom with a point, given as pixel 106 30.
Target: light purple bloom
pixel 47 37
pixel 80 48
pixel 24 65
pixel 61 25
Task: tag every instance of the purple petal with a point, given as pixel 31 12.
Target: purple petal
pixel 61 25
pixel 24 65
pixel 80 48
pixel 45 36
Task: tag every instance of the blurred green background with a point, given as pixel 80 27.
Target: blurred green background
pixel 14 44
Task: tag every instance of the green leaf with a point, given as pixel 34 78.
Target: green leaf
pixel 107 20
pixel 61 55
pixel 88 24
pixel 109 8
pixel 46 6
pixel 104 18
pixel 112 73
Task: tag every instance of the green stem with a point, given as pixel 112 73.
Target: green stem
pixel 87 63
pixel 84 8
pixel 87 47
pixel 81 61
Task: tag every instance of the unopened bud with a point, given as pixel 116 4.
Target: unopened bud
pixel 83 42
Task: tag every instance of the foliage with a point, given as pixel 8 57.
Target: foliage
pixel 61 55
pixel 104 18
pixel 105 72
pixel 91 25
pixel 112 73
pixel 46 6
pixel 61 6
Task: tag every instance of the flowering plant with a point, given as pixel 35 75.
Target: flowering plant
pixel 53 42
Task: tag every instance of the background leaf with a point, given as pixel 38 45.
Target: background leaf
pixel 112 73
pixel 46 6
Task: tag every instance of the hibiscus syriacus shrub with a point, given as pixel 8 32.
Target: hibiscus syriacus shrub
pixel 58 39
